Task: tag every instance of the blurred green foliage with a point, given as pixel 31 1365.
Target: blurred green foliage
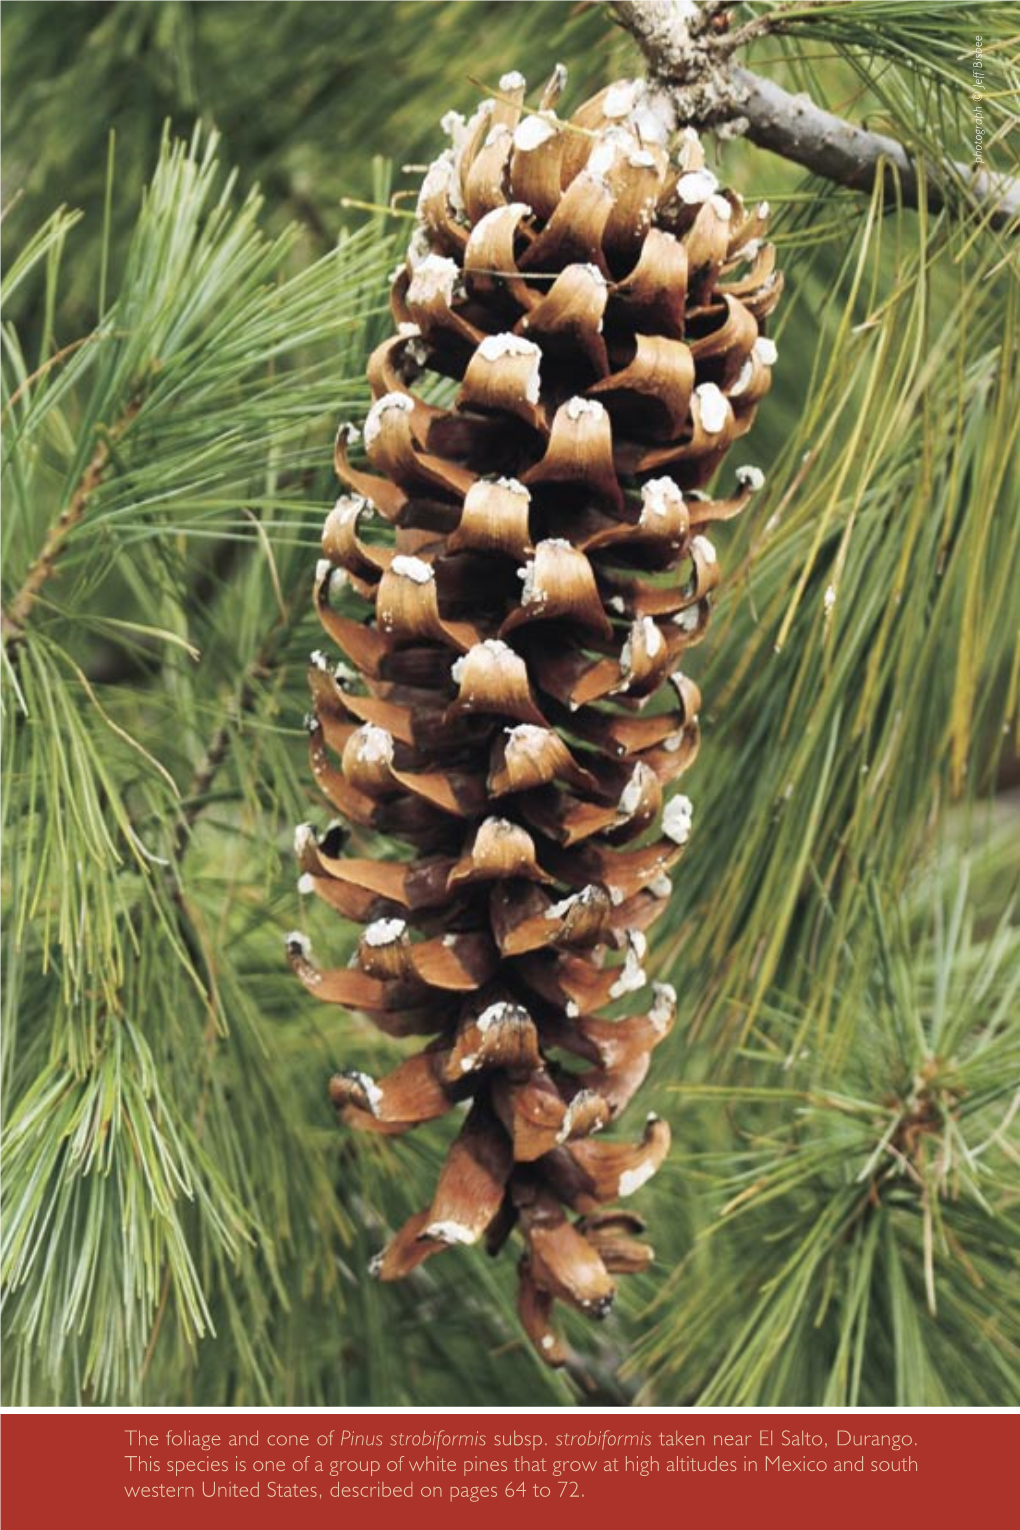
pixel 305 96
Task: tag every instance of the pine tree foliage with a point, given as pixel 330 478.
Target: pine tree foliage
pixel 307 136
pixel 871 1175
pixel 837 1222
pixel 179 424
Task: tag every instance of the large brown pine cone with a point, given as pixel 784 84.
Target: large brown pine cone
pixel 531 546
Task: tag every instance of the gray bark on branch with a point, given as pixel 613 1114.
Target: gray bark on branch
pixel 688 56
pixel 796 128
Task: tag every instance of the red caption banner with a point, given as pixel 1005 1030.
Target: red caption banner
pixel 255 1469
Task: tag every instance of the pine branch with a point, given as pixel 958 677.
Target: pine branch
pixel 687 51
pixel 125 468
pixel 14 621
pixel 872 1165
pixel 839 151
pixel 218 748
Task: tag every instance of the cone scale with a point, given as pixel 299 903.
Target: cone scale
pixel 515 571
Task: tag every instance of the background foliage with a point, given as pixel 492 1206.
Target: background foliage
pixel 184 1224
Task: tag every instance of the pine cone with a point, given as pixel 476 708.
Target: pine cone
pixel 532 546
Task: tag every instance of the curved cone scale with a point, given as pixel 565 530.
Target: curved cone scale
pixel 407 1250
pixel 473 1181
pixel 533 1113
pixel 615 1169
pixel 502 1037
pixel 534 1308
pixel 510 581
pixel 412 1093
pixel 615 1237
pixel 563 1261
